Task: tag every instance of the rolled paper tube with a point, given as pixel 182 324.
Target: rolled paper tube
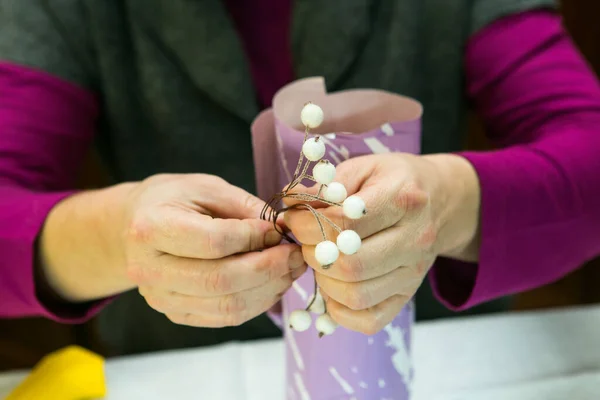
pixel 346 364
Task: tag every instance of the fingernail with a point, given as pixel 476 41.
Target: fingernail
pixel 272 238
pixel 297 273
pixel 296 260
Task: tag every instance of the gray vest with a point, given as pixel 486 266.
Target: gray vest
pixel 176 92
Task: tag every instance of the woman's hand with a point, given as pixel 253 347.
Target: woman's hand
pixel 418 207
pixel 191 243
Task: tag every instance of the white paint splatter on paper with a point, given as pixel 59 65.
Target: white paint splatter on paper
pixel 284 163
pixel 291 393
pixel 341 150
pixel 400 359
pixel 376 146
pixel 336 159
pixel 301 292
pixel 387 129
pixel 304 395
pixel 343 383
pixel 295 350
pixel 363 385
pixel 354 369
pixel 370 340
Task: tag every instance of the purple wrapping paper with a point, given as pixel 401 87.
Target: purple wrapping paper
pixel 345 365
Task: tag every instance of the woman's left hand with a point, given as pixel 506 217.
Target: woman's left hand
pixel 418 207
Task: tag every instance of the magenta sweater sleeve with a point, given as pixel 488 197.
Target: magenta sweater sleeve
pixel 46 128
pixel 540 191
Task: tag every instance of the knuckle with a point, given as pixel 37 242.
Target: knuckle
pixel 140 229
pixel 217 281
pixel 235 319
pixel 251 237
pixel 427 237
pixel 371 325
pixel 137 273
pixel 211 180
pixel 271 267
pixel 355 299
pixel 286 281
pixel 249 202
pixel 351 268
pixel 157 303
pixel 421 267
pixel 170 225
pixel 216 241
pixel 412 199
pixel 159 178
pixel 232 304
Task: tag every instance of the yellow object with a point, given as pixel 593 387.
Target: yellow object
pixel 72 373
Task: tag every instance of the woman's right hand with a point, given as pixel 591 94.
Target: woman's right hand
pixel 194 246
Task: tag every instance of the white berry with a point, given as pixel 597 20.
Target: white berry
pixel 311 115
pixel 324 172
pixel 354 207
pixel 325 325
pixel 317 306
pixel 348 242
pixel 335 192
pixel 300 320
pixel 313 149
pixel 326 253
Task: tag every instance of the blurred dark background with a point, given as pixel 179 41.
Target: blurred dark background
pixel 23 342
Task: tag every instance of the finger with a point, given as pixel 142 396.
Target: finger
pixel 368 321
pixel 219 321
pixel 352 173
pixel 238 305
pixel 297 196
pixel 386 203
pixel 366 294
pixel 378 254
pixel 190 234
pixel 225 200
pixel 209 278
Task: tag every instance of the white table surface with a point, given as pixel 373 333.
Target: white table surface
pixel 552 355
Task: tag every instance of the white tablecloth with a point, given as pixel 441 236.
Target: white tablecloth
pixel 527 356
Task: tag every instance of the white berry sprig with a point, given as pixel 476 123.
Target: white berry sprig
pixel 330 193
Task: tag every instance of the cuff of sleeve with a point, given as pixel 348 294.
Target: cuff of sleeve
pixel 18 234
pixel 517 231
pixel 453 283
pixel 460 285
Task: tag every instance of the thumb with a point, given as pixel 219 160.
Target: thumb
pixel 229 201
pixel 353 173
pixel 247 205
pixel 301 189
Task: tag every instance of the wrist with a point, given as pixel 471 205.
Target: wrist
pixel 81 254
pixel 456 197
